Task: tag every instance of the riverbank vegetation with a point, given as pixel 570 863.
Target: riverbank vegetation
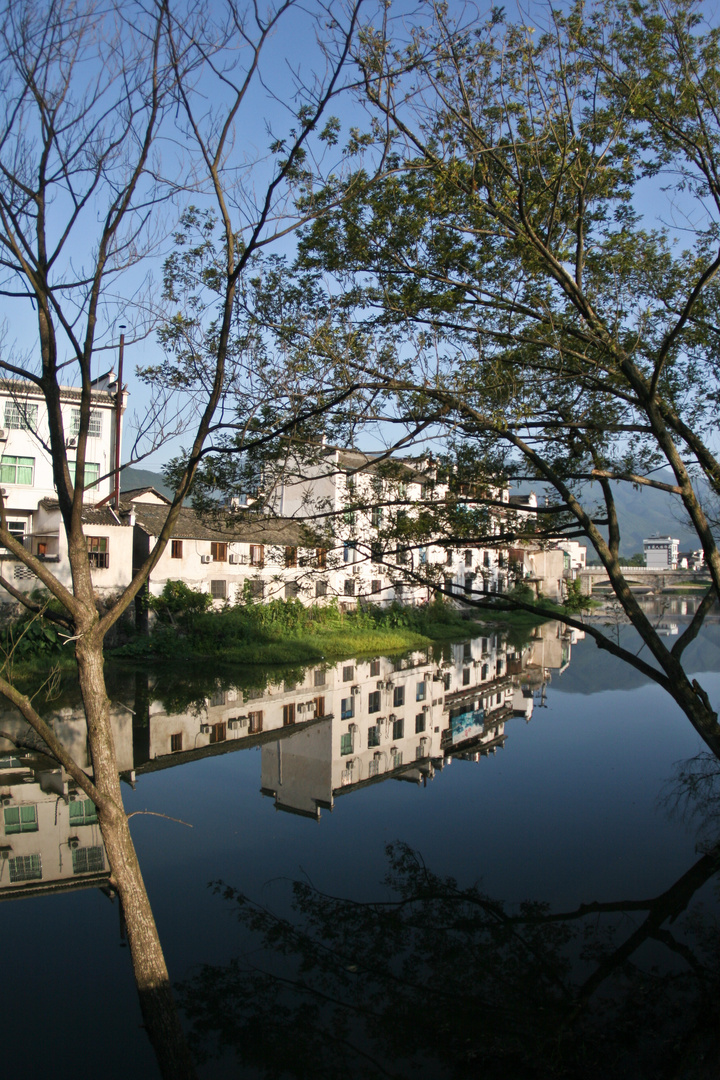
pixel 286 631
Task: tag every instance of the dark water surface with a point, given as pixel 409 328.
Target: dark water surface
pixel 544 774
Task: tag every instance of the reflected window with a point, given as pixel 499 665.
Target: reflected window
pixel 397 759
pixel 255 722
pixel 25 868
pixel 320 677
pixel 398 728
pixel 374 667
pixel 88 860
pixel 321 588
pixel 347 708
pixel 176 742
pixel 420 691
pixel 419 723
pixel 466 676
pixel 218 733
pixel 289 714
pixel 346 744
pixel 398 696
pixel 348 673
pixel 373 736
pixel 83 812
pixel 374 702
pixel 19 819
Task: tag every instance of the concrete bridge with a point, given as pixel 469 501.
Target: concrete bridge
pixel 641 577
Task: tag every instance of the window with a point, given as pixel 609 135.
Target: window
pixel 469 581
pixel 92 473
pixel 321 558
pixel 319 677
pixel 401 556
pixel 218 589
pixel 98 553
pixel 320 588
pixel 397 759
pixel 422 552
pixel 376 586
pixel 376 516
pixel 16 470
pixel 25 868
pixel 349 517
pixel 255 722
pixel 398 696
pixel 176 742
pixel 419 722
pixel 374 702
pixel 257 554
pixel 373 737
pixel 467 652
pixel 88 860
pixel 218 698
pixel 94 428
pixel 374 668
pixel 373 768
pixel 290 557
pixel 486 558
pixel 20 819
pixel 468 558
pixel 16 528
pixel 398 728
pixel 292 589
pixel 448 557
pixel 347 708
pixel 289 714
pixel 218 552
pixel 319 706
pixel 256 589
pixel 349 551
pixel 176 549
pixel 484 671
pixel 466 676
pixel 376 553
pixel 346 744
pixel 348 673
pixel 218 733
pixel 420 691
pixel 21 416
pixel 83 812
pixel 349 587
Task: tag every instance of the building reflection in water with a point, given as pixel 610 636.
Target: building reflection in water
pixel 342 727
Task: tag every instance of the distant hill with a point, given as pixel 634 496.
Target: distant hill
pixel 641 512
pixel 141 478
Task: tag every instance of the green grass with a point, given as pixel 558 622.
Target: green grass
pixel 285 632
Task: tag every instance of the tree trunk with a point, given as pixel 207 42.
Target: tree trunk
pixel 157 1002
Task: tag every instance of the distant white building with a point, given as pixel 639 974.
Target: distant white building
pixel 661 552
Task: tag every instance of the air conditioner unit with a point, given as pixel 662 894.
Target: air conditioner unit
pixel 6 800
pixel 426 708
pixel 5 852
pixel 73 842
pixel 231 696
pixel 355 690
pixel 352 729
pixel 392 717
pixel 236 723
pixel 204 558
pixel 233 559
pixel 204 729
pixel 389 684
pixel 71 443
pixel 3 434
pixel 380 684
pixel 377 755
pixel 393 749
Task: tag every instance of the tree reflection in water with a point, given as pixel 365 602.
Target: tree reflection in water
pixel 437 979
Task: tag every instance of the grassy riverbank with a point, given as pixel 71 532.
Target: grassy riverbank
pixel 287 632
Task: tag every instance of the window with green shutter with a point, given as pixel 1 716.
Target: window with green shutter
pixel 88 860
pixel 83 812
pixel 20 819
pixel 16 470
pixel 25 868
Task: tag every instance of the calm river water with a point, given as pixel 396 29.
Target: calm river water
pixel 415 840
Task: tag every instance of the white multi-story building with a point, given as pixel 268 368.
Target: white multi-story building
pixel 661 552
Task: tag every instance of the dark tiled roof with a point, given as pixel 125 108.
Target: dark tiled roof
pixel 191 526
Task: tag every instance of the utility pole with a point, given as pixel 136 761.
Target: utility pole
pixel 118 416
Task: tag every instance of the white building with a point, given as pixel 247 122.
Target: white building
pixel 661 552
